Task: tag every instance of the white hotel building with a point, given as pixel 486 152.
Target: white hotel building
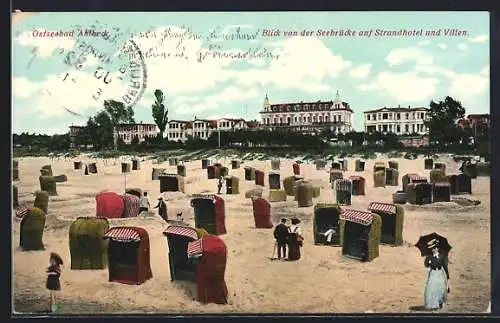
pixel 400 121
pixel 180 130
pixel 308 117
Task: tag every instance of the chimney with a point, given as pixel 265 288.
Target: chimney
pixel 408 107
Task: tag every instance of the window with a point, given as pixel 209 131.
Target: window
pixel 295 119
pixel 314 119
pixel 368 117
pixel 308 119
pixel 281 120
pixel 384 116
pixel 407 128
pixel 384 128
pixel 374 116
pixel 398 128
pixel 320 118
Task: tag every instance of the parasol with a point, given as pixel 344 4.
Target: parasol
pixel 433 239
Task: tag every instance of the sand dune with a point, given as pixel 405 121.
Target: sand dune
pixel 322 281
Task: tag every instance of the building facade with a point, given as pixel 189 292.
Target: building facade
pixel 308 117
pixel 73 132
pixel 400 121
pixel 127 132
pixel 181 130
pixel 475 120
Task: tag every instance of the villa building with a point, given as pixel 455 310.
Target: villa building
pixel 308 117
pixel 400 121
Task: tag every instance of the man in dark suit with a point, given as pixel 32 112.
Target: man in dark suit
pixel 281 235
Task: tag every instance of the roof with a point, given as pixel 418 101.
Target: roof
pixel 123 233
pixel 382 207
pixel 416 177
pixel 179 121
pixel 442 184
pixel 136 124
pixel 212 197
pixel 476 116
pixel 301 106
pixel 181 231
pixel 76 126
pixel 398 109
pixel 195 248
pixel 360 217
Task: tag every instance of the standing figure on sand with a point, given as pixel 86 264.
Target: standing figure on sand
pixel 144 203
pixel 53 284
pixel 295 240
pixel 162 209
pixel 281 236
pixel 437 285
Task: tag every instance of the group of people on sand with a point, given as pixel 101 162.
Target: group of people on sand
pixel 288 236
pixel 144 206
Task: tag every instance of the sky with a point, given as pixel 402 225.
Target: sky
pixel 215 64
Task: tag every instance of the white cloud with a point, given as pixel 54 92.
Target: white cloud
pixel 24 88
pixel 76 93
pixel 465 87
pixel 257 62
pixel 361 71
pixel 230 95
pixel 424 42
pixel 398 56
pixel 304 63
pixel 462 47
pixel 442 46
pixel 479 39
pixel 404 87
pixel 45 46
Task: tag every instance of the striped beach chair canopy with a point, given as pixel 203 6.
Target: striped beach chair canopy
pixel 385 208
pixel 343 185
pixel 359 217
pixel 195 248
pixel 180 230
pixel 356 178
pixel 123 234
pixel 211 197
pixel 132 205
pixel 22 211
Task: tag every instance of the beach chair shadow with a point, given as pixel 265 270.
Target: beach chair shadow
pixel 418 308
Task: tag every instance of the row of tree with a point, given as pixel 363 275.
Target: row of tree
pixel 443 124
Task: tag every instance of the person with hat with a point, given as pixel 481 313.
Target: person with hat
pixel 281 235
pixel 53 284
pixel 437 285
pixel 295 240
pixel 162 209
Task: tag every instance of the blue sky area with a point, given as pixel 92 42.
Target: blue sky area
pixel 234 75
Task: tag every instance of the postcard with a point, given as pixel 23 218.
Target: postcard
pixel 250 162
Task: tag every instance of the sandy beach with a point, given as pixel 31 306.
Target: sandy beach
pixel 322 281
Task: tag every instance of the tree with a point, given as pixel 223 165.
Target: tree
pixel 118 113
pixel 442 123
pixel 160 114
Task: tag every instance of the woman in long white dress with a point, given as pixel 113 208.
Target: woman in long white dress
pixel 436 288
